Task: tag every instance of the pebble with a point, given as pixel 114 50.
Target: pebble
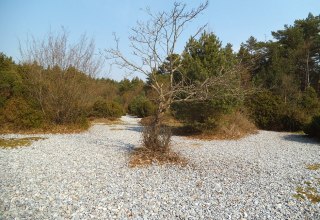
pixel 86 176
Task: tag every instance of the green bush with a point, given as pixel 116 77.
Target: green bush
pixel 266 110
pixel 141 107
pixel 103 109
pixel 21 115
pixel 293 118
pixel 310 101
pixel 270 112
pixel 205 116
pixel 313 129
pixel 10 80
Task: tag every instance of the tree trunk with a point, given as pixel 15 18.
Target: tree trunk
pixel 159 116
pixel 307 70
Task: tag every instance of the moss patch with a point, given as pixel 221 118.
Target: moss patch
pixel 309 189
pixel 18 142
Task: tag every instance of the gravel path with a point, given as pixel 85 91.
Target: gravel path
pixel 86 176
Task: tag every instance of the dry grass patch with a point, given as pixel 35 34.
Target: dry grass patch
pixel 48 129
pixel 309 189
pixel 18 142
pixel 61 129
pixel 315 166
pixel 307 192
pixel 64 129
pixel 145 157
pixel 106 121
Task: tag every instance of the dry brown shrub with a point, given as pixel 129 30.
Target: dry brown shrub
pixel 233 126
pixel 144 157
pixel 155 147
pixel 146 121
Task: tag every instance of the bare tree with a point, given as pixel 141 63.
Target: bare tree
pixel 154 43
pixel 54 50
pixel 58 73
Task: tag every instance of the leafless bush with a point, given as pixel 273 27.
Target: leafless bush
pixel 156 149
pixel 55 50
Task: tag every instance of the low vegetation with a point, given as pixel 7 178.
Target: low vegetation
pixel 309 189
pixel 144 157
pixel 18 142
pixel 315 166
pixel 210 90
pixel 307 192
pixel 313 128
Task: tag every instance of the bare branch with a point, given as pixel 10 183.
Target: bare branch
pixel 154 43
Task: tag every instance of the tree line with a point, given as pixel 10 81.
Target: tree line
pixel 208 87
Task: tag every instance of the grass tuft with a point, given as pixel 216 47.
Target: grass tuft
pixel 315 166
pixel 310 193
pixel 309 190
pixel 18 142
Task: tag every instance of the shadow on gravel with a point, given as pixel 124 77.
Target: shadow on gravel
pixel 134 128
pixel 129 147
pixel 304 139
pixel 125 146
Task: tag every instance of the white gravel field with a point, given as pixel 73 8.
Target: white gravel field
pixel 86 176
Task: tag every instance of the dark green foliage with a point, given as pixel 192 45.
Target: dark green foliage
pixel 288 68
pixel 18 113
pixel 129 89
pixel 10 81
pixel 103 109
pixel 290 62
pixel 308 106
pixel 310 101
pixel 141 107
pixel 204 58
pixel 313 129
pixel 266 109
pixel 15 110
pixel 292 119
pixel 270 112
pixel 300 114
pixel 205 116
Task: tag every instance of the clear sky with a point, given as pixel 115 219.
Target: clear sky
pixel 233 21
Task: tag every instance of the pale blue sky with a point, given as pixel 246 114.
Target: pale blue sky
pixel 233 21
